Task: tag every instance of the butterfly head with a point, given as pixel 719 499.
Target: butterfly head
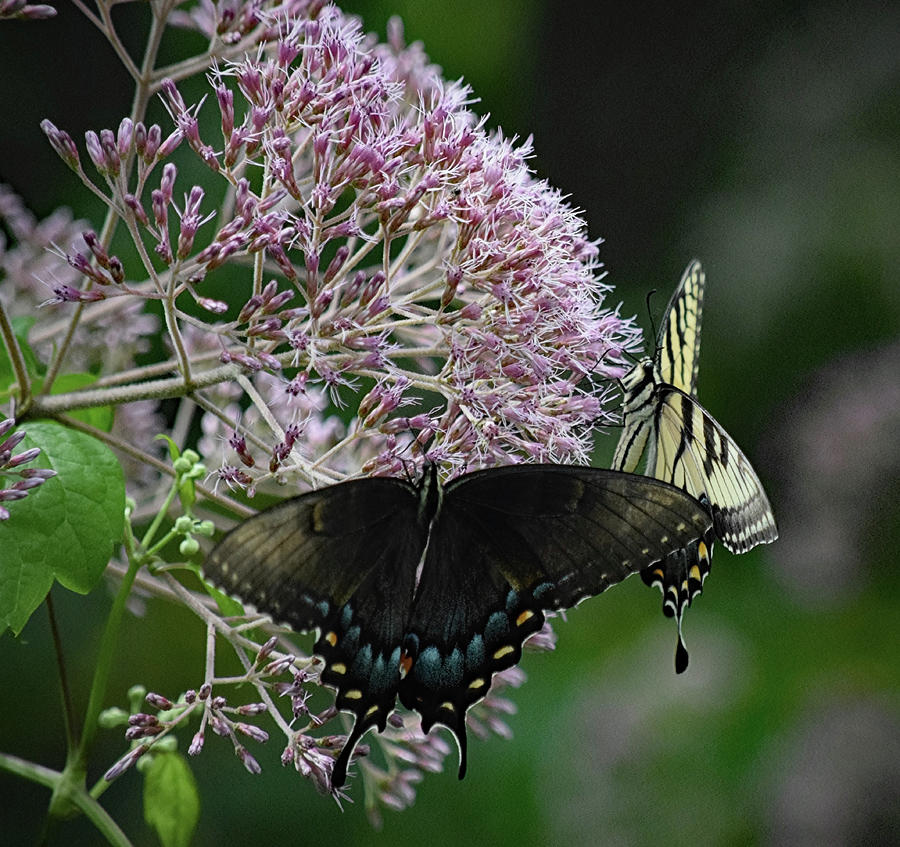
pixel 638 383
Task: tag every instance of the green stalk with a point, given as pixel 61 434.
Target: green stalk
pixel 71 785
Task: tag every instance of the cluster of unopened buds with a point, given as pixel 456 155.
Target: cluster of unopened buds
pixel 148 729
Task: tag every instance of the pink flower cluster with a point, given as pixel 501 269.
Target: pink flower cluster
pixel 352 274
pixel 396 257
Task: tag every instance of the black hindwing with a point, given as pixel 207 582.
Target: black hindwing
pixel 512 543
pixel 341 560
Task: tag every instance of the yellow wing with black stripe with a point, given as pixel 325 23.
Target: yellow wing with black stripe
pixel 678 344
pixel 694 453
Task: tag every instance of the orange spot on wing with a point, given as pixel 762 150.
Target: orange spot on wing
pixel 405 665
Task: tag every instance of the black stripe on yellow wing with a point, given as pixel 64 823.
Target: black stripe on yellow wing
pixel 639 386
pixel 696 454
pixel 678 354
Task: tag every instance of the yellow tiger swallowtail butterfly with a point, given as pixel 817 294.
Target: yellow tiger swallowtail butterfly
pixel 684 445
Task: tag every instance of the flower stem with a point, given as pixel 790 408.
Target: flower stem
pixel 65 691
pixel 158 389
pixel 108 646
pixel 160 515
pixel 69 790
pixel 18 361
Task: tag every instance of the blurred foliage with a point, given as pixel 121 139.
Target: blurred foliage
pixel 763 140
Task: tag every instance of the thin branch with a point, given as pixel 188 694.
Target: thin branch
pixel 63 348
pixel 96 311
pixel 65 690
pixel 24 769
pixel 101 819
pixel 223 416
pixel 147 459
pixel 146 372
pixel 89 14
pixel 160 389
pixel 261 406
pixel 115 42
pixel 184 361
pixel 18 361
pixel 182 424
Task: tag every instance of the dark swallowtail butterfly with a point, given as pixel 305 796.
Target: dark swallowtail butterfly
pixel 424 591
pixel 686 446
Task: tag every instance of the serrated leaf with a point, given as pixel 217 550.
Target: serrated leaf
pixel 171 801
pixel 66 528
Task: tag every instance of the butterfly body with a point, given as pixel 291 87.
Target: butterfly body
pixel 681 443
pixel 425 591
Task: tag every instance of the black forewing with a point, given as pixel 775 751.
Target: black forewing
pixel 341 560
pixel 510 543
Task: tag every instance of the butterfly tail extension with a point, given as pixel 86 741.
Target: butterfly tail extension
pixel 370 708
pixel 450 716
pixel 365 677
pixel 342 763
pixel 446 679
pixel 680 577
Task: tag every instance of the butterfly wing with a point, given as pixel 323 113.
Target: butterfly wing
pixel 679 342
pixel 511 543
pixel 341 560
pixel 694 453
pixel 677 362
pixel 684 445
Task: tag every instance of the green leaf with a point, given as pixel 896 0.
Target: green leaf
pixel 171 801
pixel 228 606
pixel 100 417
pixel 66 528
pixel 22 325
pixel 174 452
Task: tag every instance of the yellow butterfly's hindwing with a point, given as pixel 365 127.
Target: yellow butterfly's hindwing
pixel 683 444
pixel 697 455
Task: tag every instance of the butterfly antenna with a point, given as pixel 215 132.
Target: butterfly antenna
pixel 630 356
pixel 586 375
pixel 650 294
pixel 410 474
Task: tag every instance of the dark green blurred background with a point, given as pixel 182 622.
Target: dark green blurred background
pixel 763 139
